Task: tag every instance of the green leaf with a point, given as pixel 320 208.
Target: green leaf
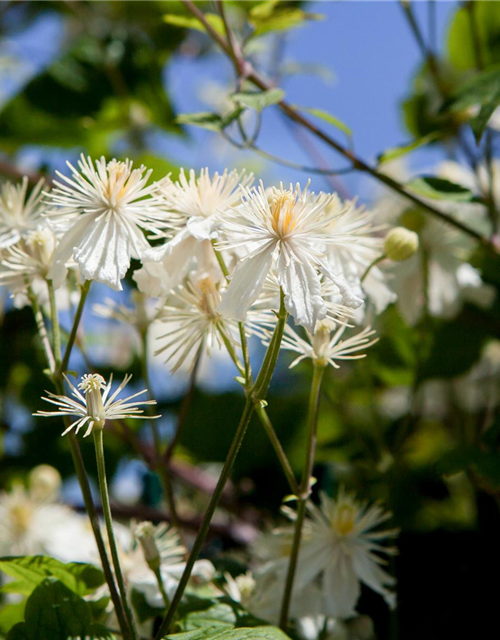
pixel 190 22
pixel 208 120
pixel 483 93
pixel 259 100
pixel 327 117
pixel 461 46
pixel 222 612
pixel 402 150
pixel 272 15
pixel 55 612
pixel 243 633
pixel 10 615
pixel 30 571
pixel 441 189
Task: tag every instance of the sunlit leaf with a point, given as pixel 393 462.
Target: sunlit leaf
pixel 259 100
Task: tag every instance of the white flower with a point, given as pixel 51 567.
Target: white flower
pixel 29 259
pixel 139 576
pixel 103 210
pixel 326 346
pixel 97 405
pixel 18 213
pixel 289 226
pixel 341 548
pixel 192 322
pixel 199 202
pixel 30 522
pixel 362 246
pixel 140 315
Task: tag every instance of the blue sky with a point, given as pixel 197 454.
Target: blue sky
pixel 372 54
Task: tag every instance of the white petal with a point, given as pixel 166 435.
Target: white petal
pixel 104 253
pixel 64 251
pixel 349 297
pixel 372 575
pixel 341 588
pixel 302 289
pixel 246 284
pixel 200 227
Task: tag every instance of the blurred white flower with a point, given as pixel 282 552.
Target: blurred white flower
pixel 140 577
pixel 102 210
pixel 364 243
pixel 325 346
pixel 438 276
pixel 97 405
pixel 19 214
pixel 291 227
pixel 199 203
pixel 33 522
pixel 341 548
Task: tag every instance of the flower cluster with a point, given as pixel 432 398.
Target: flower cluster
pixel 215 251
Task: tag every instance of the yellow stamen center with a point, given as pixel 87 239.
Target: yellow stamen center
pixel 345 520
pixel 282 212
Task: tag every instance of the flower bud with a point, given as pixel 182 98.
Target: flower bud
pixel 400 244
pixel 145 533
pixel 44 482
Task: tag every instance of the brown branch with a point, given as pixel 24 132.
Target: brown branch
pixel 358 164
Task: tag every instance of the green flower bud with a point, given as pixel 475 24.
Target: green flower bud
pixel 400 244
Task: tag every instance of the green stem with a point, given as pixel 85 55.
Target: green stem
pixel 160 469
pixel 161 586
pixel 79 465
pixel 103 487
pixel 42 330
pixel 256 396
pixel 273 437
pixel 76 324
pixel 96 529
pixel 371 265
pixel 312 421
pixel 265 421
pixel 56 332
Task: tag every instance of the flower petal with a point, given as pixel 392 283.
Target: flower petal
pixel 246 284
pixel 302 289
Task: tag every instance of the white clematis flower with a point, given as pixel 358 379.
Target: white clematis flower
pixel 198 202
pixel 290 228
pixel 103 209
pixel 97 405
pixel 342 549
pixel 19 214
pixel 326 345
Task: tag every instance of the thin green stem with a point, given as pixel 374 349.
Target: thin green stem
pixel 207 518
pixel 81 472
pixel 252 399
pixel 273 437
pixel 56 331
pixel 42 330
pixel 161 586
pixel 76 323
pixel 103 487
pixel 371 265
pixel 312 421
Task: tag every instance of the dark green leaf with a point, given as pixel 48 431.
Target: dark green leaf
pixel 440 189
pixel 11 614
pixel 55 612
pixel 142 608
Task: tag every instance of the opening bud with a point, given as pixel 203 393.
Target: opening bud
pixel 145 534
